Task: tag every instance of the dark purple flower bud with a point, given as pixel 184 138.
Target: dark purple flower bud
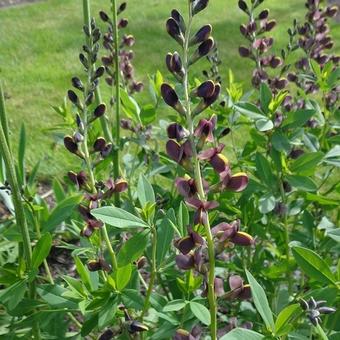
pixel 251 27
pixel 107 335
pixel 77 83
pixel 202 35
pixel 264 14
pixel 270 25
pixel 243 6
pixel 121 8
pixel 174 30
pixel 107 150
pixel 275 62
pixel 128 40
pixel 296 153
pixel 237 182
pixel 140 263
pixel 73 97
pixel 174 150
pixel 244 52
pixel 123 23
pixel 104 16
pixel 242 239
pixel 136 327
pixel 70 144
pixel 331 12
pixel 170 97
pixel 199 5
pixel 206 128
pixel 207 101
pixel 278 119
pixel 205 90
pixel 214 156
pixel 176 131
pixel 99 144
pixel 182 334
pixel 186 186
pixel 238 289
pixel 83 60
pixel 203 50
pixel 117 186
pixel 94 266
pixel 99 110
pixel 126 124
pixel 185 262
pixel 292 77
pixel 78 137
pixel 326 310
pixel 179 19
pixel 137 87
pixel 200 216
pixel 244 30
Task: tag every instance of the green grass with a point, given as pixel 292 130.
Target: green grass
pixel 39 54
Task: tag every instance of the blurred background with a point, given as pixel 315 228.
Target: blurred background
pixel 40 42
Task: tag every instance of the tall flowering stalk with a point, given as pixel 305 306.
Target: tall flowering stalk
pixel 91 150
pixel 185 146
pixel 259 45
pixel 119 71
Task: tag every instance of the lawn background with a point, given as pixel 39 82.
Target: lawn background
pixel 40 43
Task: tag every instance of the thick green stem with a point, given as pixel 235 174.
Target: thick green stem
pixel 286 232
pixel 109 247
pixel 153 273
pixel 320 332
pixel 200 189
pixel 116 172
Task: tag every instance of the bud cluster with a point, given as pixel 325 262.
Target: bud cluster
pixel 79 143
pixel 126 55
pixel 259 45
pixel 314 310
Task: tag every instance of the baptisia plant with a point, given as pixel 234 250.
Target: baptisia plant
pixel 193 146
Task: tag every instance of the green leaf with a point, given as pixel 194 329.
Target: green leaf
pixel 261 302
pixel 122 276
pixel 280 142
pixel 175 305
pixel 285 317
pixel 107 313
pixel 130 106
pixel 264 171
pixel 313 265
pixel 301 182
pixel 145 191
pixel 13 295
pixel 58 191
pixel 297 119
pixel 165 234
pixel 250 110
pixel 242 334
pixel 333 156
pixel 267 203
pixel 148 114
pixel 183 218
pixel 41 250
pixel 133 248
pixel 61 212
pixel 83 273
pixel 306 164
pixel 264 124
pixel 265 97
pixel 322 200
pixel 132 299
pixel 334 234
pixel 53 295
pixel 201 312
pixel 118 218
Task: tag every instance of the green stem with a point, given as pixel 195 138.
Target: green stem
pixel 87 23
pixel 321 332
pixel 153 273
pixel 199 184
pixel 286 232
pixel 109 247
pixel 18 205
pixel 116 171
pixel 3 116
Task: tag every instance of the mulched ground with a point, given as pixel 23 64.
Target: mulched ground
pixel 6 3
